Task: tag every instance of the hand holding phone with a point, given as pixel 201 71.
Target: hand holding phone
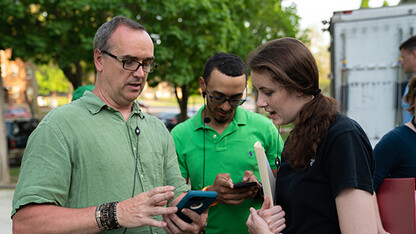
pixel 244 184
pixel 197 201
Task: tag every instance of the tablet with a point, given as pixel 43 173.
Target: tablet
pixel 197 201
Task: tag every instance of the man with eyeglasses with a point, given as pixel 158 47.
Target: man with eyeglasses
pixel 99 163
pixel 215 148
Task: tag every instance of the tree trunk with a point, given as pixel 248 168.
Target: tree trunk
pixel 74 74
pixel 4 162
pixel 183 102
pixel 32 95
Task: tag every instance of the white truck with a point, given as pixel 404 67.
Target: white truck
pixel 366 74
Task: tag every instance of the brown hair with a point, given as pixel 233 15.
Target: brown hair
pixel 290 63
pixel 410 96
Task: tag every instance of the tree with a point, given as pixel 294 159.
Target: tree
pixel 189 32
pixel 57 31
pixel 364 3
pixel 186 33
pixel 51 79
pixel 4 162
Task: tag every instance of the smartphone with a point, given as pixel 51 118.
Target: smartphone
pixel 197 201
pixel 244 184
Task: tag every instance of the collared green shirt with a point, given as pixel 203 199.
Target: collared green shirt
pixel 84 154
pixel 202 156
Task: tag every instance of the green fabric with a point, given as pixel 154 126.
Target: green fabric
pixel 80 91
pixel 83 154
pixel 233 153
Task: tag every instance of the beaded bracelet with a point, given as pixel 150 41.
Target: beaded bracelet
pixel 98 218
pixel 107 216
pixel 205 189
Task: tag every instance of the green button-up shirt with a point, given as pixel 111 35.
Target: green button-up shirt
pixel 83 154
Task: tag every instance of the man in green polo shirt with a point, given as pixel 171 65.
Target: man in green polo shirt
pixel 99 163
pixel 215 148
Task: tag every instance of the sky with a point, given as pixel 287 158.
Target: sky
pixel 313 12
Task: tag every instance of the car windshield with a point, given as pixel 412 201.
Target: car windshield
pixel 20 128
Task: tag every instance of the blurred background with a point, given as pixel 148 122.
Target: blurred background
pixel 46 54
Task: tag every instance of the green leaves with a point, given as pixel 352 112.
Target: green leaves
pixel 185 32
pixel 51 78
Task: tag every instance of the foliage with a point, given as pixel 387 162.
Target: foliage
pixel 189 32
pixel 364 4
pixel 186 32
pixel 50 78
pixel 59 31
pixel 319 49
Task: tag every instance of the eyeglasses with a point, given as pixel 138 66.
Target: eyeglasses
pixel 132 65
pixel 231 101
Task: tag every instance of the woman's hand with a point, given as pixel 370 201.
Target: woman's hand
pixel 267 219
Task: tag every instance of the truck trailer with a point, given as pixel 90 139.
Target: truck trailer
pixel 366 74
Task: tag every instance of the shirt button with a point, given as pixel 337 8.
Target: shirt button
pixel 141 176
pixel 215 136
pixel 134 148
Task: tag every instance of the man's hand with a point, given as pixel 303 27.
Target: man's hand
pixel 138 211
pixel 177 225
pixel 250 177
pixel 223 185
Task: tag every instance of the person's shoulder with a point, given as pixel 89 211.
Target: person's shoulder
pixel 186 126
pixel 397 134
pixel 344 123
pixel 257 117
pixel 60 116
pixel 64 111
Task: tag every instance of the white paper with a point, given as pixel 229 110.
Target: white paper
pixel 267 178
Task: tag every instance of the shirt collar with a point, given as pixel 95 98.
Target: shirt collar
pixel 94 104
pixel 240 118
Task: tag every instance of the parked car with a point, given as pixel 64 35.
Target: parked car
pixel 17 112
pixel 170 119
pixel 18 131
pixel 192 111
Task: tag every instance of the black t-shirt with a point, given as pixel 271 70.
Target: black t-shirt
pixel 344 159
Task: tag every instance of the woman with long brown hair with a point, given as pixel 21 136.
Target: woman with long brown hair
pixel 324 184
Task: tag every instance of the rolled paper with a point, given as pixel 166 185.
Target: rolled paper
pixel 266 175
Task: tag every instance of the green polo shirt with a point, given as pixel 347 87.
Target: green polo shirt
pixel 83 154
pixel 231 152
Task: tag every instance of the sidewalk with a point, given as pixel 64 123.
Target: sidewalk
pixel 6 197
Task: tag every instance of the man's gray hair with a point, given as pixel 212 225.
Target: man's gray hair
pixel 104 32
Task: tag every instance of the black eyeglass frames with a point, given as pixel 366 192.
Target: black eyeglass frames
pixel 132 65
pixel 232 101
